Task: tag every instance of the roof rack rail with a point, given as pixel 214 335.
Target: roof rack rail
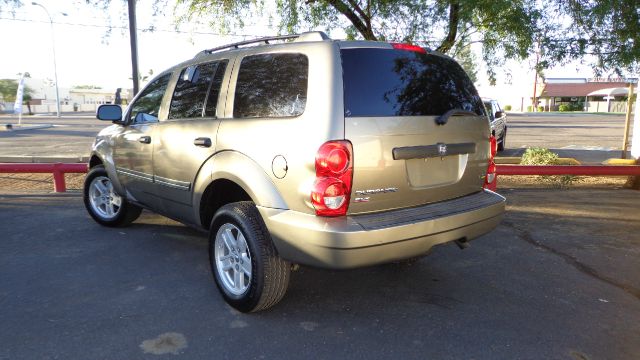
pixel 306 36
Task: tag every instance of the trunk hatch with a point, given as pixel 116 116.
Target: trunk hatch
pixel 402 157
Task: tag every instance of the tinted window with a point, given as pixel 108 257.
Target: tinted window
pixel 385 82
pixel 489 108
pixel 193 85
pixel 147 106
pixel 271 85
pixel 214 90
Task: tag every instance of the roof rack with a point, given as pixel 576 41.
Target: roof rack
pixel 306 36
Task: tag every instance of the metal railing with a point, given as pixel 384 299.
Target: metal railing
pixel 58 170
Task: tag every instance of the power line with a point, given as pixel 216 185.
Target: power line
pixel 150 29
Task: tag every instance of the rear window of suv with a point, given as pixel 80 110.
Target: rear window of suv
pixel 389 82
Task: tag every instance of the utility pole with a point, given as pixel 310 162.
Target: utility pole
pixel 134 45
pixel 534 101
pixel 635 144
pixel 627 122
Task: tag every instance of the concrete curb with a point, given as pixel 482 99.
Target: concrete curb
pixel 619 162
pixel 516 161
pixel 44 159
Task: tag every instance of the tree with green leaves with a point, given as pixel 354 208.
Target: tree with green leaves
pixel 559 30
pixel 87 87
pixel 604 32
pixel 9 89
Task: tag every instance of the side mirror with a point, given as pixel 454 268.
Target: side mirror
pixel 499 114
pixel 109 112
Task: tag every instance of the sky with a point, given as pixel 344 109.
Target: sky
pixel 86 56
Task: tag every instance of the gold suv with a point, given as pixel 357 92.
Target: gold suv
pixel 300 149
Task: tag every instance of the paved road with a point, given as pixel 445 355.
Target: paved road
pixel 536 288
pixel 589 138
pixel 70 136
pixel 592 138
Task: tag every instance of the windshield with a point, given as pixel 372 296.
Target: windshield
pixel 389 82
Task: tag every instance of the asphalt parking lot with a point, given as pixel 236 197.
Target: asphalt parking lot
pixel 557 280
pixel 590 138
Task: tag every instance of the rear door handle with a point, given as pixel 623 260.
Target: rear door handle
pixel 145 139
pixel 202 142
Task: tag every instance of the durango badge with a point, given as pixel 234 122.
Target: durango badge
pixel 442 149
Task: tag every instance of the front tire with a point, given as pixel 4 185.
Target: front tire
pixel 103 204
pixel 245 264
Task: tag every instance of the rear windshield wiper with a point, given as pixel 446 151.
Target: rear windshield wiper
pixel 442 119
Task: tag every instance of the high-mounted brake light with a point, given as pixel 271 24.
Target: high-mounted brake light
pixel 409 47
pixel 334 172
pixel 490 180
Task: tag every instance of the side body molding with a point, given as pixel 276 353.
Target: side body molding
pixel 240 169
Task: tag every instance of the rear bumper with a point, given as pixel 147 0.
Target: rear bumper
pixel 361 240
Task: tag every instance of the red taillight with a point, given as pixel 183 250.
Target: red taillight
pixel 490 180
pixel 334 170
pixel 409 47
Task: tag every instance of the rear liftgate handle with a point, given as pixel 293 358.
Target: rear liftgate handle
pixel 442 119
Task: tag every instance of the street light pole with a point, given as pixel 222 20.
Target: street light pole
pixel 53 47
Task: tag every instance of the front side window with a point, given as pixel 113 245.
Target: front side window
pixel 386 82
pixel 197 85
pixel 271 85
pixel 146 107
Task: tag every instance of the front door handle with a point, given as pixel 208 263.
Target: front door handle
pixel 202 142
pixel 145 139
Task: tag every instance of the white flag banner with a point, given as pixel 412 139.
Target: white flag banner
pixel 17 107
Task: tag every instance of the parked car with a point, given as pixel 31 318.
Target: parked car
pixel 302 150
pixel 498 119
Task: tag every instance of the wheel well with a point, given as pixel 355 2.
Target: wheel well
pixel 219 193
pixel 95 161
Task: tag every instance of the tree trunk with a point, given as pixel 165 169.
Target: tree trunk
pixel 363 25
pixel 454 20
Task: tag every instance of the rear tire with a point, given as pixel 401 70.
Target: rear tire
pixel 245 264
pixel 103 204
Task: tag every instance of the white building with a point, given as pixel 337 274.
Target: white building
pixel 43 97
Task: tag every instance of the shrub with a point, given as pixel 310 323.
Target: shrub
pixel 541 156
pixel 507 108
pixel 577 107
pixel 540 108
pixel 538 156
pixel 564 108
pixel 529 108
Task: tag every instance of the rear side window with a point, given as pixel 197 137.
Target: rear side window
pixel 197 85
pixel 386 82
pixel 271 85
